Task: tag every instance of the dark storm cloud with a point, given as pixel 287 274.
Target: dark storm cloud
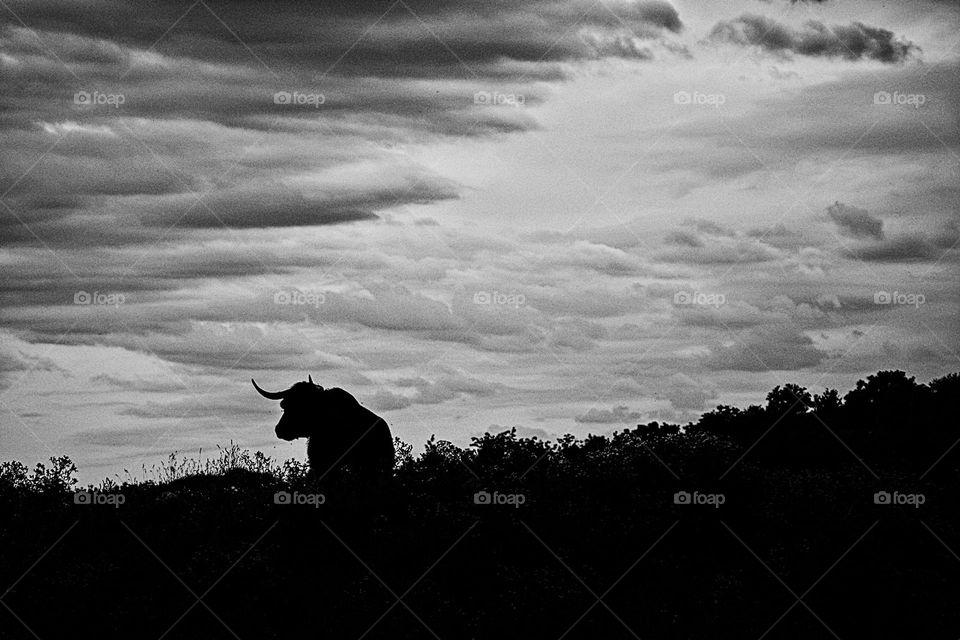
pixel 905 248
pixel 855 222
pixel 897 250
pixel 855 41
pixel 375 37
pixel 280 207
pixel 876 246
pixel 41 86
pixel 191 330
pixel 195 114
pixel 96 187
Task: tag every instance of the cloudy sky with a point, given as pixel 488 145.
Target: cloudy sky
pixel 565 215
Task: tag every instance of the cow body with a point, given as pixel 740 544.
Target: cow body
pixel 356 438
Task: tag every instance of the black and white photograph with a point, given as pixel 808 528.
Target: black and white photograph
pixel 479 319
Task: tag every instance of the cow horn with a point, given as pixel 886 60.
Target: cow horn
pixel 309 378
pixel 270 395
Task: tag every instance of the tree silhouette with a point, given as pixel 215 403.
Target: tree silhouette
pixel 791 400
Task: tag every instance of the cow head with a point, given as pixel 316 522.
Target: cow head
pixel 301 404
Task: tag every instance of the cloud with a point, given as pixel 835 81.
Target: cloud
pixel 684 392
pixel 220 406
pixel 384 400
pixel 18 360
pixel 775 232
pixel 277 206
pixel 421 38
pixel 683 239
pixel 855 41
pixel 767 348
pixel 855 222
pixel 616 415
pixel 600 258
pixel 447 386
pixel 900 249
pixel 714 245
pixel 148 385
pixel 234 345
pixel 835 119
pixel 732 314
pixel 709 227
pixel 195 137
pixel 878 247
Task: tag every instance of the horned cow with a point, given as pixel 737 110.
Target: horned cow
pixel 341 433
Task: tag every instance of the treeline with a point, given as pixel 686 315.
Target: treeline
pixel 889 419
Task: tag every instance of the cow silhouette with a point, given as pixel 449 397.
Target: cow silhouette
pixel 341 433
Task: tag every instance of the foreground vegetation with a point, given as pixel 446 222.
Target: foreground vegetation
pixel 811 516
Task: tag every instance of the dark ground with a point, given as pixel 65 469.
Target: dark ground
pixel 599 547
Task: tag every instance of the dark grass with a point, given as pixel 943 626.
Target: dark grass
pixel 598 549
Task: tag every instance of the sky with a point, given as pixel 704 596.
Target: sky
pixel 563 216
